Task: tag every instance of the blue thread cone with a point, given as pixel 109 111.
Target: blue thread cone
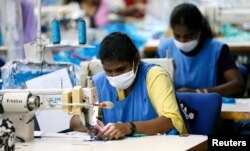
pixel 82 31
pixel 55 31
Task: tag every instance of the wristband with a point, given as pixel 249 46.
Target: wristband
pixel 132 128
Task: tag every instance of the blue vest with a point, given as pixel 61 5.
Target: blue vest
pixel 199 71
pixel 135 107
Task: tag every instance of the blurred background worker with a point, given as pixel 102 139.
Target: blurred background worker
pixel 203 64
pixel 96 10
pixel 100 11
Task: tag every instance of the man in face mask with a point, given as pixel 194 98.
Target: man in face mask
pixel 203 64
pixel 142 93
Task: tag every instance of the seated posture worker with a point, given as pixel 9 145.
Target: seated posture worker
pixel 143 94
pixel 203 64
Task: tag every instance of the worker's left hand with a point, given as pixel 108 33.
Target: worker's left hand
pixel 114 131
pixel 184 89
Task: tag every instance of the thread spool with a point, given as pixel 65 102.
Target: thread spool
pixel 82 31
pixel 55 31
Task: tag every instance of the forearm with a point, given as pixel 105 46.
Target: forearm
pixel 139 1
pixel 158 125
pixel 125 11
pixel 229 89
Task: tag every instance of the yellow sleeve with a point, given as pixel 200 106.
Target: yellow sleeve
pixel 162 95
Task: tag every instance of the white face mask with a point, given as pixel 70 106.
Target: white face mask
pixel 187 46
pixel 123 81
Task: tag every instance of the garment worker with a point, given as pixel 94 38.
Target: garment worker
pixel 143 94
pixel 203 64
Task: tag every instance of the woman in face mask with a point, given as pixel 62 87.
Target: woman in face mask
pixel 142 93
pixel 203 64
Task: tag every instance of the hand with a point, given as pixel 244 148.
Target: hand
pixel 114 130
pixel 184 89
pixel 139 10
pixel 99 125
pixel 94 130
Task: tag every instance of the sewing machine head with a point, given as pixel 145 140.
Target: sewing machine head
pixel 84 103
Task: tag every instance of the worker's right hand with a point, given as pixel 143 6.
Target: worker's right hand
pixel 114 131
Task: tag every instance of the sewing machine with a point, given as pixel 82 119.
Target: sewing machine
pixel 20 105
pixel 237 13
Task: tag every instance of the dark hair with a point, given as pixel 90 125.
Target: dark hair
pixel 117 47
pixel 189 15
pixel 71 1
pixel 97 3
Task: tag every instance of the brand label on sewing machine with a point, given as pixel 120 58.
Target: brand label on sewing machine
pixel 14 101
pixel 53 98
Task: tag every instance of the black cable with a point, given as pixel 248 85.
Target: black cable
pixel 20 139
pixel 31 119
